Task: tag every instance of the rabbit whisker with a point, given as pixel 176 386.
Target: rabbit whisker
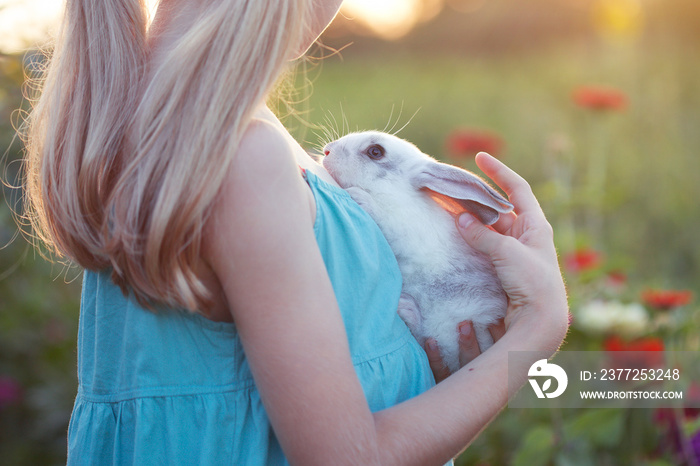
pixel 398 118
pixel 407 123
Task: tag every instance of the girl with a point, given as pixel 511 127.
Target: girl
pixel 234 310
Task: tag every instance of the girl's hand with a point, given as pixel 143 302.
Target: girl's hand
pixel 521 247
pixel 468 347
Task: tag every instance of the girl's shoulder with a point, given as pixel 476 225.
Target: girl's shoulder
pixel 262 186
pixel 264 151
pixel 264 168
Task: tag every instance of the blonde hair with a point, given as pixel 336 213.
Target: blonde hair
pixel 138 204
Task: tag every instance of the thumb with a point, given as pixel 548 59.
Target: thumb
pixel 478 236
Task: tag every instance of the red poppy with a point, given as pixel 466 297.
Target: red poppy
pixel 616 279
pixel 465 142
pixel 665 300
pixel 615 343
pixel 582 260
pixel 599 98
pixel 643 353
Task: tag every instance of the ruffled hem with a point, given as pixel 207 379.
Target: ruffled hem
pixel 221 427
pixel 211 429
pixel 404 373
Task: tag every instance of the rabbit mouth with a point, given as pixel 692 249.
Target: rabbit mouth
pixel 328 165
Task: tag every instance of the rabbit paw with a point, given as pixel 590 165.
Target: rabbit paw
pixel 362 198
pixel 409 312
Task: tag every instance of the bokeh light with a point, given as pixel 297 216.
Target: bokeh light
pixel 26 23
pixel 390 19
pixel 618 19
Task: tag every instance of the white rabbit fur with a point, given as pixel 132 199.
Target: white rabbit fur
pixel 445 281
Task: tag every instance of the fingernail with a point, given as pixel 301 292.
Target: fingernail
pixel 465 329
pixel 465 220
pixel 432 345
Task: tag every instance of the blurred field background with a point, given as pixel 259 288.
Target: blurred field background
pixel 595 102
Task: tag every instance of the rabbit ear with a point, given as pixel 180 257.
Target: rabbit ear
pixel 458 190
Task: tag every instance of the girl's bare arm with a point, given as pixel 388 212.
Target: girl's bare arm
pixel 261 245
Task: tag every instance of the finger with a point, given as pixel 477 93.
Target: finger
pixel 468 346
pixel 440 371
pixel 504 222
pixel 498 329
pixel 518 190
pixel 478 236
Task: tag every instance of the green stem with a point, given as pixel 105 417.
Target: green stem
pixel 597 176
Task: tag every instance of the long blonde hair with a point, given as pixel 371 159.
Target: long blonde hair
pixel 138 204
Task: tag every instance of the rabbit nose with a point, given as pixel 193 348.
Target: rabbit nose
pixel 328 147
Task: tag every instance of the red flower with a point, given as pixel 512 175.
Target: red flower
pixel 467 142
pixel 582 260
pixel 665 300
pixel 643 353
pixel 615 343
pixel 599 98
pixel 617 279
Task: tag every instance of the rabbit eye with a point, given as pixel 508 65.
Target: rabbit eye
pixel 375 151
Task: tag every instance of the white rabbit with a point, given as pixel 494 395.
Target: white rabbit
pixel 413 197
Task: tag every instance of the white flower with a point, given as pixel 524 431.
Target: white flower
pixel 612 316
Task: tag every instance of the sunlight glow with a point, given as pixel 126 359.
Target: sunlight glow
pixel 390 19
pixel 387 18
pixel 26 23
pixel 618 18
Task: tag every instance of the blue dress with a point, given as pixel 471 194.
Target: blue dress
pixel 172 387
